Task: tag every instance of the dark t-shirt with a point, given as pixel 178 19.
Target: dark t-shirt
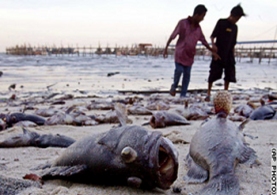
pixel 226 38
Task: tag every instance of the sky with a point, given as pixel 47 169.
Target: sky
pixel 122 22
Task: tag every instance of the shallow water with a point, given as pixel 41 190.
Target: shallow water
pixel 88 74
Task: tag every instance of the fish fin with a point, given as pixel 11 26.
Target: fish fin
pixel 182 122
pixel 42 166
pixel 111 138
pixel 205 121
pixel 144 124
pixel 250 136
pixel 195 174
pixel 224 184
pixel 63 171
pixel 25 131
pixel 30 134
pixel 242 125
pixel 134 182
pixel 121 113
pixel 248 156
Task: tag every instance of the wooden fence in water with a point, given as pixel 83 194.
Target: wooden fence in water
pixel 261 50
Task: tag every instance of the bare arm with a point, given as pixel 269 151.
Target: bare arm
pixel 165 54
pixel 213 44
pixel 214 49
pixel 172 36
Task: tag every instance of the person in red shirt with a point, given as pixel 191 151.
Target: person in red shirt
pixel 189 33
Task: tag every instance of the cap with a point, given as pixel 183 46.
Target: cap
pixel 237 11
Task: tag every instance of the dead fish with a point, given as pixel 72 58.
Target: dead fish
pixel 25 124
pixel 3 125
pixel 127 100
pixel 139 110
pixel 215 150
pixel 60 118
pixel 198 112
pixel 109 117
pixel 29 138
pixel 46 112
pixel 245 109
pixel 127 155
pixel 12 186
pixel 101 105
pixel 158 105
pixel 264 112
pixel 13 118
pixel 83 119
pixel 237 117
pixel 162 119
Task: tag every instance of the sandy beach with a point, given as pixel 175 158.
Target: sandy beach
pixel 88 87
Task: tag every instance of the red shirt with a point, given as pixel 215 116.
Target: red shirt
pixel 186 43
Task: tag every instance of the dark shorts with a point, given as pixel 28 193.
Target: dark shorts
pixel 216 70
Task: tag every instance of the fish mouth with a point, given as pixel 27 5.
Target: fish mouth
pixel 153 122
pixel 156 122
pixel 167 164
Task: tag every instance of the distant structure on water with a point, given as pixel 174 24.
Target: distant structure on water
pixel 251 49
pixel 140 49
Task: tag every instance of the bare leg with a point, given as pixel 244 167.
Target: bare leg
pixel 210 85
pixel 209 92
pixel 226 85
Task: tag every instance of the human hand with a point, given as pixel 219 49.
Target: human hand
pixel 216 56
pixel 165 54
pixel 214 48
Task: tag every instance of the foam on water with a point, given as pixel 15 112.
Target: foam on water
pixel 89 73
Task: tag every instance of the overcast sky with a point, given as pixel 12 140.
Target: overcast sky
pixel 122 22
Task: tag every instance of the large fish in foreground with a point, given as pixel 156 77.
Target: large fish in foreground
pixel 214 152
pixel 127 155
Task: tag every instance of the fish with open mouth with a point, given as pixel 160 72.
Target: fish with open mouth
pixel 126 155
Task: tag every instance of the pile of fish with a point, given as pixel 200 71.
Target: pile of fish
pixel 135 156
pixel 161 113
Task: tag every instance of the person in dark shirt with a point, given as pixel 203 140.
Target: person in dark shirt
pixel 225 33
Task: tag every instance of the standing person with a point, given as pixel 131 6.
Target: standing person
pixel 189 32
pixel 225 33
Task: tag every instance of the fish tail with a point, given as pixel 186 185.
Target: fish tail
pixel 226 184
pixel 62 171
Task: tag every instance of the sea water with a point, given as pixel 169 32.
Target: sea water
pixel 89 74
